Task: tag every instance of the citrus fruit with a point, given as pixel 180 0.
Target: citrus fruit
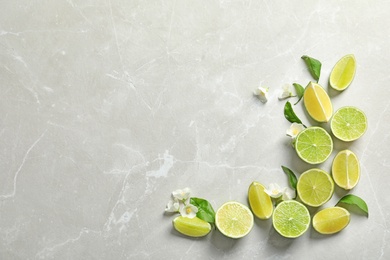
pixel 313 145
pixel 259 201
pixel 234 219
pixel 348 123
pixel 315 187
pixel 317 102
pixel 331 220
pixel 346 169
pixel 193 227
pixel 343 72
pixel 291 218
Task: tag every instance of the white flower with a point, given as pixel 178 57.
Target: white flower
pixel 172 206
pixel 274 190
pixel 182 195
pixel 286 92
pixel 262 94
pixel 294 130
pixel 188 211
pixel 288 194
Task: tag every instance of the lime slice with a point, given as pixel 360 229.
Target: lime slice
pixel 234 219
pixel 313 145
pixel 317 103
pixel 331 220
pixel 348 123
pixel 259 201
pixel 193 227
pixel 343 72
pixel 291 218
pixel 346 169
pixel 315 187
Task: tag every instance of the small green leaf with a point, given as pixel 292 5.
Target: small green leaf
pixel 299 90
pixel 291 177
pixel 314 66
pixel 354 201
pixel 290 115
pixel 205 210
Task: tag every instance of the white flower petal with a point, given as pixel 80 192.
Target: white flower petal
pixel 188 211
pixel 262 94
pixel 288 194
pixel 181 195
pixel 172 206
pixel 286 92
pixel 274 190
pixel 294 130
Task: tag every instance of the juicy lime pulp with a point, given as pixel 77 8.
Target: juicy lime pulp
pixel 315 187
pixel 331 220
pixel 346 169
pixel 317 102
pixel 291 218
pixel 343 72
pixel 193 227
pixel 348 123
pixel 234 219
pixel 314 145
pixel 259 201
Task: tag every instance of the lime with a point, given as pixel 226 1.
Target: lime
pixel 291 218
pixel 193 227
pixel 234 219
pixel 315 187
pixel 317 102
pixel 346 169
pixel 348 123
pixel 343 72
pixel 313 145
pixel 331 220
pixel 259 201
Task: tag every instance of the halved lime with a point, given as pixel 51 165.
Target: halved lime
pixel 331 220
pixel 315 187
pixel 193 227
pixel 291 218
pixel 314 145
pixel 343 72
pixel 317 102
pixel 348 123
pixel 259 201
pixel 346 169
pixel 234 219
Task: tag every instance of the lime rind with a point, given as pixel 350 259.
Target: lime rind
pixel 348 123
pixel 343 73
pixel 259 201
pixel 193 227
pixel 346 169
pixel 331 220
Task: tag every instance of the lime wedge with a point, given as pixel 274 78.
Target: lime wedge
pixel 313 145
pixel 346 169
pixel 348 123
pixel 317 102
pixel 259 201
pixel 291 218
pixel 343 72
pixel 234 219
pixel 331 220
pixel 315 187
pixel 193 227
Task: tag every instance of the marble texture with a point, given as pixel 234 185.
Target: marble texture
pixel 108 106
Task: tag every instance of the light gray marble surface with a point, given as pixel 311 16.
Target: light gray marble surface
pixel 108 106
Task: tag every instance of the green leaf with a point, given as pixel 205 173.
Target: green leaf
pixel 314 66
pixel 299 90
pixel 205 210
pixel 290 115
pixel 354 201
pixel 291 177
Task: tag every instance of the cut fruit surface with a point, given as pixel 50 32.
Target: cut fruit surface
pixel 315 187
pixel 193 227
pixel 346 169
pixel 348 123
pixel 331 220
pixel 260 202
pixel 343 72
pixel 234 219
pixel 317 102
pixel 291 218
pixel 313 145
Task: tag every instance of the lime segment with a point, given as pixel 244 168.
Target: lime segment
pixel 346 169
pixel 291 218
pixel 234 219
pixel 317 102
pixel 260 202
pixel 343 72
pixel 315 187
pixel 331 220
pixel 193 227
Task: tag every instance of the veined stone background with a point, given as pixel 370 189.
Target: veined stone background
pixel 108 106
